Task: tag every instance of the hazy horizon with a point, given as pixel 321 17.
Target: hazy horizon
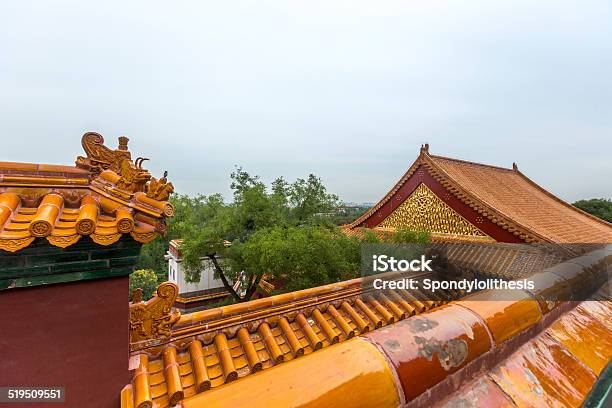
pixel 345 90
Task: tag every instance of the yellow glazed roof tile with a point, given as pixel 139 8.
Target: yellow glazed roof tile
pixel 253 336
pixel 62 203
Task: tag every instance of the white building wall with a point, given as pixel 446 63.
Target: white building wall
pixel 176 274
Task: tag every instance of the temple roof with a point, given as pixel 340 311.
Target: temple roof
pixel 395 347
pixel 508 198
pixel 206 349
pixel 559 367
pixel 104 196
pixel 543 341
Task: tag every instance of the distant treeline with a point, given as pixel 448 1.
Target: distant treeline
pixel 599 207
pixel 347 214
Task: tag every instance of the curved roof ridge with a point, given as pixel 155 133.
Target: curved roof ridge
pixel 262 333
pixel 561 201
pixel 478 198
pixel 433 156
pixel 515 218
pixel 29 167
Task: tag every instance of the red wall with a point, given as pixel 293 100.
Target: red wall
pixel 73 335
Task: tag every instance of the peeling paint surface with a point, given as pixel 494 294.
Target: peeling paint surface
pixel 426 349
pixel 450 353
pixel 421 324
pixel 600 310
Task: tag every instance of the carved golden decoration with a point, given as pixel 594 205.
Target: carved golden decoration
pixel 161 226
pixel 143 237
pixel 125 225
pixel 71 197
pixel 155 317
pixel 85 226
pixel 105 239
pixel 63 242
pixel 40 228
pixel 100 157
pixel 13 245
pixel 168 210
pixel 137 295
pixel 133 176
pixel 423 210
pixel 160 189
pixel 31 200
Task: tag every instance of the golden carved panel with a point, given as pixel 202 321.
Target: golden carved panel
pixel 424 211
pixel 63 242
pixel 13 245
pixel 144 237
pixel 105 239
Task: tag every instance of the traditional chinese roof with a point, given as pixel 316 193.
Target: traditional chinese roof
pixel 560 367
pixel 262 334
pixel 502 260
pixel 104 196
pixel 496 259
pixel 529 349
pixel 204 350
pixel 458 199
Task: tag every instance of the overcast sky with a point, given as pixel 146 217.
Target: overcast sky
pixel 347 90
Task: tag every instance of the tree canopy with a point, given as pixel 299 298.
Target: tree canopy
pixel 599 207
pixel 283 233
pixel 146 280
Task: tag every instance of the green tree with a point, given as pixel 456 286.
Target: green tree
pixel 308 198
pixel 599 207
pixel 281 233
pixel 144 279
pixel 300 256
pixel 152 253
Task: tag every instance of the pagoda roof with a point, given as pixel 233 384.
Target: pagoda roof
pixel 104 196
pixel 508 198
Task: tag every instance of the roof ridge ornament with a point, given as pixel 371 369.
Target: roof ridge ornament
pixel 99 157
pixel 515 166
pixel 155 317
pixel 160 189
pixel 123 143
pixel 425 148
pixel 132 177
